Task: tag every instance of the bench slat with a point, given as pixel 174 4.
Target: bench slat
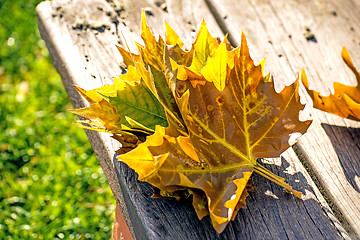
pixel 279 31
pixel 78 59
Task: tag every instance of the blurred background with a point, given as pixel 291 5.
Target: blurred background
pixel 51 184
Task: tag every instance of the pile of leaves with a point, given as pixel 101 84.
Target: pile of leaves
pixel 193 123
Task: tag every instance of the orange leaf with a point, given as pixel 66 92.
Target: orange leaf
pixel 222 115
pixel 233 118
pixel 345 102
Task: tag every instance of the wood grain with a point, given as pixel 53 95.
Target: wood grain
pixel 310 35
pixel 70 30
pixel 81 37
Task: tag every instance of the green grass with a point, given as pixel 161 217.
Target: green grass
pixel 51 184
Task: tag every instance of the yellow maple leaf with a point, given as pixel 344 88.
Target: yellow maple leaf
pixel 221 113
pixel 233 117
pixel 215 69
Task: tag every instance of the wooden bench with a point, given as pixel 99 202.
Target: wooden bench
pixel 324 164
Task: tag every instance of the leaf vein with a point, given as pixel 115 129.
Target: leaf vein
pixel 276 120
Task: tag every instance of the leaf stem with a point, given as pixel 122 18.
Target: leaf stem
pixel 276 179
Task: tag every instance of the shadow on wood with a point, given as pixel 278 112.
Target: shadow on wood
pixel 349 138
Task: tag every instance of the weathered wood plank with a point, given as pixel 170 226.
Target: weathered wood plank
pixel 80 36
pixel 310 34
pixel 60 25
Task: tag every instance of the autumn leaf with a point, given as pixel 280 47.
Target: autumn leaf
pixel 124 106
pixel 171 37
pixel 136 103
pixel 233 117
pixel 216 68
pixel 345 102
pixel 219 114
pixel 100 115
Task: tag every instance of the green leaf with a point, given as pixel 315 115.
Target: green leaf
pixel 166 97
pixel 138 104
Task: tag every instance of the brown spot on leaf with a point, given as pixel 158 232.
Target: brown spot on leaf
pixel 180 88
pixel 251 105
pixel 220 100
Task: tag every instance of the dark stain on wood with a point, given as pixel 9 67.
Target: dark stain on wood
pixel 309 35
